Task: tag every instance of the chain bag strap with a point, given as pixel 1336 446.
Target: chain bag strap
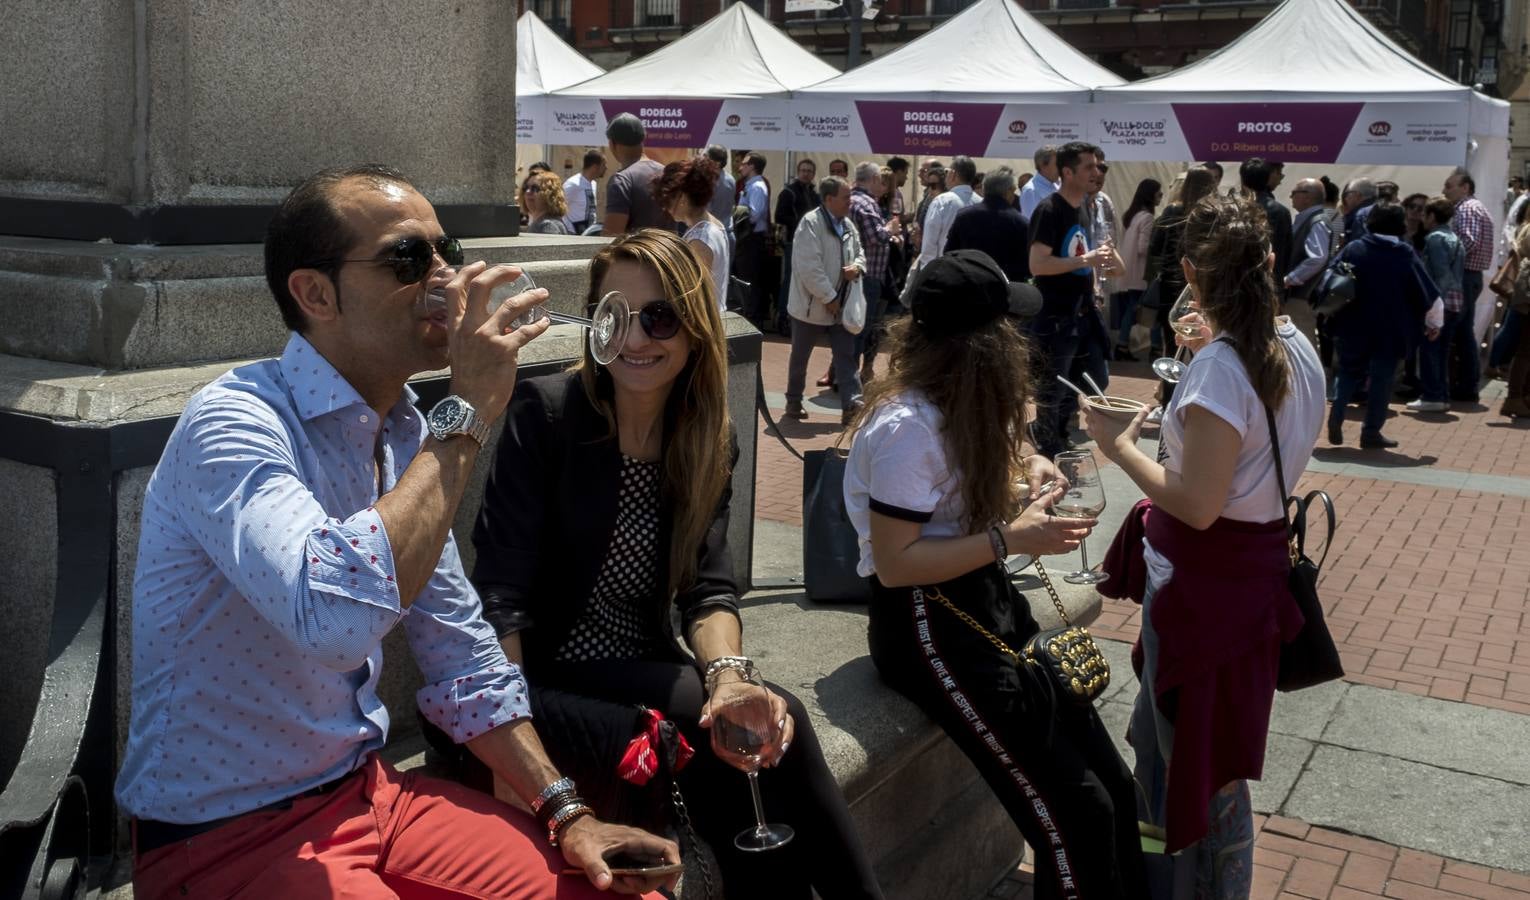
pixel 1067 657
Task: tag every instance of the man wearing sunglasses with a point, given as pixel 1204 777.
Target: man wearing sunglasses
pixel 299 513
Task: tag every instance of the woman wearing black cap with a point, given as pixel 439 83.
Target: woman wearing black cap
pixel 935 485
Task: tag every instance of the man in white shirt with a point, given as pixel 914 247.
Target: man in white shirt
pixel 943 209
pixel 1042 186
pixel 579 191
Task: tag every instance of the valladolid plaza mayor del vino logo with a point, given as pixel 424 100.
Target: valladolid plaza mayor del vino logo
pixel 734 120
pixel 1380 129
pixel 1018 126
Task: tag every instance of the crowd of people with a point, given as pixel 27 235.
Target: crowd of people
pixel 302 508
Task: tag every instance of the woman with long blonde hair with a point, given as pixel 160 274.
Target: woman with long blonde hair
pixel 606 511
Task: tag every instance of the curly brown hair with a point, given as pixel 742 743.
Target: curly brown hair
pixel 551 189
pixel 695 179
pixel 980 382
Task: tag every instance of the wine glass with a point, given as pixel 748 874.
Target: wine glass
pixel 1184 319
pixel 1084 499
pixel 607 327
pixel 743 728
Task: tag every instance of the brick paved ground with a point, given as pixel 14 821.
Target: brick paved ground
pixel 1293 859
pixel 1423 596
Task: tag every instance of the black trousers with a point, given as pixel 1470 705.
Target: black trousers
pixel 1052 765
pixel 826 854
pixel 752 267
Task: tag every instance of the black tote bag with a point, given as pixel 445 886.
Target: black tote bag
pixel 830 547
pixel 1310 658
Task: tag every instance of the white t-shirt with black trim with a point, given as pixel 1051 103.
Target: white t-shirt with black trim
pixel 897 467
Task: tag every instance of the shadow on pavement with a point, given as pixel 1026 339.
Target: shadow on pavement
pixel 1386 459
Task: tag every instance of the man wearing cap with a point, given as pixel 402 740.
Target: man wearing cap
pixel 1064 263
pixel 629 197
pixel 826 259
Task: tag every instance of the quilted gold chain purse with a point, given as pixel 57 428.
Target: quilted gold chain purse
pixel 1067 658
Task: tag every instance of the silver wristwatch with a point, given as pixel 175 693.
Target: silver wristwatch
pixel 453 416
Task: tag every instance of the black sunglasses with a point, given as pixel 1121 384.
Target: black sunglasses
pixel 411 257
pixel 659 318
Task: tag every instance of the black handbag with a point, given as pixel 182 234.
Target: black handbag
pixel 1310 658
pixel 1066 658
pixel 1335 289
pixel 831 549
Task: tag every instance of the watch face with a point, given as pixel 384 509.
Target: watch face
pixel 447 416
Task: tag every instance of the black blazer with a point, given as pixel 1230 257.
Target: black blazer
pixel 998 229
pixel 548 512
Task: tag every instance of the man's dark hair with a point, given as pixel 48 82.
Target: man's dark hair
pixel 536 167
pixel 1068 154
pixel 756 159
pixel 1442 210
pixel 1215 167
pixel 718 154
pixel 964 169
pixel 842 163
pixel 1254 174
pixel 307 233
pixel 593 158
pixel 1466 179
pixel 1387 218
pixel 898 164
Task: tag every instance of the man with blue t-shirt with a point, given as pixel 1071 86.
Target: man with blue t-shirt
pixel 1063 265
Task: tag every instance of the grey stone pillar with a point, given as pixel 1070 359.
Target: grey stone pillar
pixel 182 121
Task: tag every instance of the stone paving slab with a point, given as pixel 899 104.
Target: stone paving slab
pixel 1486 742
pixel 1467 817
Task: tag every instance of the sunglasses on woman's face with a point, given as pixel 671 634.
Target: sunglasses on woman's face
pixel 411 257
pixel 659 318
pixel 531 189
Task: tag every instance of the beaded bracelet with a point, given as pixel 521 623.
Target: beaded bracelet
pixel 556 804
pixel 741 664
pixel 562 820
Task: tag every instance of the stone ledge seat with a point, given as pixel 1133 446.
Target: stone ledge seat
pixel 930 823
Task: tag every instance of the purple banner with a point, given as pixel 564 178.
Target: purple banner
pixel 1286 132
pixel 928 128
pixel 670 123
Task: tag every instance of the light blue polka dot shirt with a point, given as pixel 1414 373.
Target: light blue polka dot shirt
pixel 264 586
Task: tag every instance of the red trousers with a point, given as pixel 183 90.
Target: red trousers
pixel 381 834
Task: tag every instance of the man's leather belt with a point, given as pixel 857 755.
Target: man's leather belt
pixel 150 835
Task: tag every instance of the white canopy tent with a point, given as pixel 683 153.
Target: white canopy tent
pixel 543 63
pixel 726 82
pixel 991 81
pixel 1313 82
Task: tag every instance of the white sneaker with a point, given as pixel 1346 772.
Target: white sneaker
pixel 1156 416
pixel 1427 406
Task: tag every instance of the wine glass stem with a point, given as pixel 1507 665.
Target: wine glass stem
pixel 1083 554
pixel 567 319
pixel 759 805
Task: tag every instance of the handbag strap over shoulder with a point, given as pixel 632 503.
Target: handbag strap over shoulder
pixel 1292 544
